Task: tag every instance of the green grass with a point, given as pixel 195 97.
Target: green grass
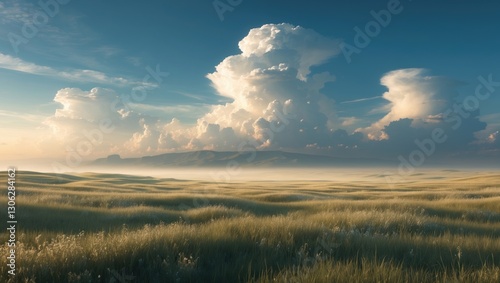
pixel 98 228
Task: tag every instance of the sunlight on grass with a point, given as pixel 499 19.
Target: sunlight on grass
pixel 89 228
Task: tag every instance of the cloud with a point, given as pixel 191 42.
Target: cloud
pixel 362 99
pixel 418 105
pixel 15 12
pixel 190 95
pixel 174 109
pixel 31 118
pixel 349 121
pixel 411 94
pixel 12 63
pixel 16 64
pixel 275 102
pixel 97 116
pixel 58 33
pixel 185 112
pixel 98 122
pixel 494 137
pixel 281 43
pixel 271 87
pixel 493 126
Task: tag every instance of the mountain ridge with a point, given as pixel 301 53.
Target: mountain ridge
pixel 210 158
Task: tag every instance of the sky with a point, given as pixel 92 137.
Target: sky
pixel 402 80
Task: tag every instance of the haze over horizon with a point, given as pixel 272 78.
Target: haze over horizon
pixel 416 80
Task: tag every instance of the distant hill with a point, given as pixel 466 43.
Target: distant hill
pixel 207 158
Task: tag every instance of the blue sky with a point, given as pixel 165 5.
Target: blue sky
pixel 108 45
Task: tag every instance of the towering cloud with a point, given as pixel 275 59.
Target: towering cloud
pixel 276 101
pixel 412 94
pixel 418 106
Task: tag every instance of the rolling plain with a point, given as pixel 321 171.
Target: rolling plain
pixel 438 226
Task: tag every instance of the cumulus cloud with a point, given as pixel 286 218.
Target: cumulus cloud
pixel 411 94
pixel 419 104
pixel 92 122
pixel 276 102
pixel 281 42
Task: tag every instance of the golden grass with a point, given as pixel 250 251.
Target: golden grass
pixel 102 227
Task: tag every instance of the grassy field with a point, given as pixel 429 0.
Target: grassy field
pixel 90 227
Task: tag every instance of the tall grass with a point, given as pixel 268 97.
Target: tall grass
pixel 107 228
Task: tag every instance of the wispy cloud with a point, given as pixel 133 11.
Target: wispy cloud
pixel 361 99
pixel 107 51
pixel 16 64
pixel 493 118
pixel 65 37
pixel 183 109
pixel 190 95
pixel 135 61
pixel 16 12
pixel 32 118
pixel 349 121
pixel 382 109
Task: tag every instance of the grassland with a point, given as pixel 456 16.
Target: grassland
pixel 90 227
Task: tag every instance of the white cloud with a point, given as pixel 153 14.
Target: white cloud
pixel 16 64
pixel 31 118
pixel 98 116
pixel 59 32
pixel 412 95
pixel 349 121
pixel 16 12
pixel 493 137
pixel 190 95
pixel 362 99
pixel 275 103
pixel 185 112
pixel 144 141
pixel 271 88
pixel 284 41
pixel 172 109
